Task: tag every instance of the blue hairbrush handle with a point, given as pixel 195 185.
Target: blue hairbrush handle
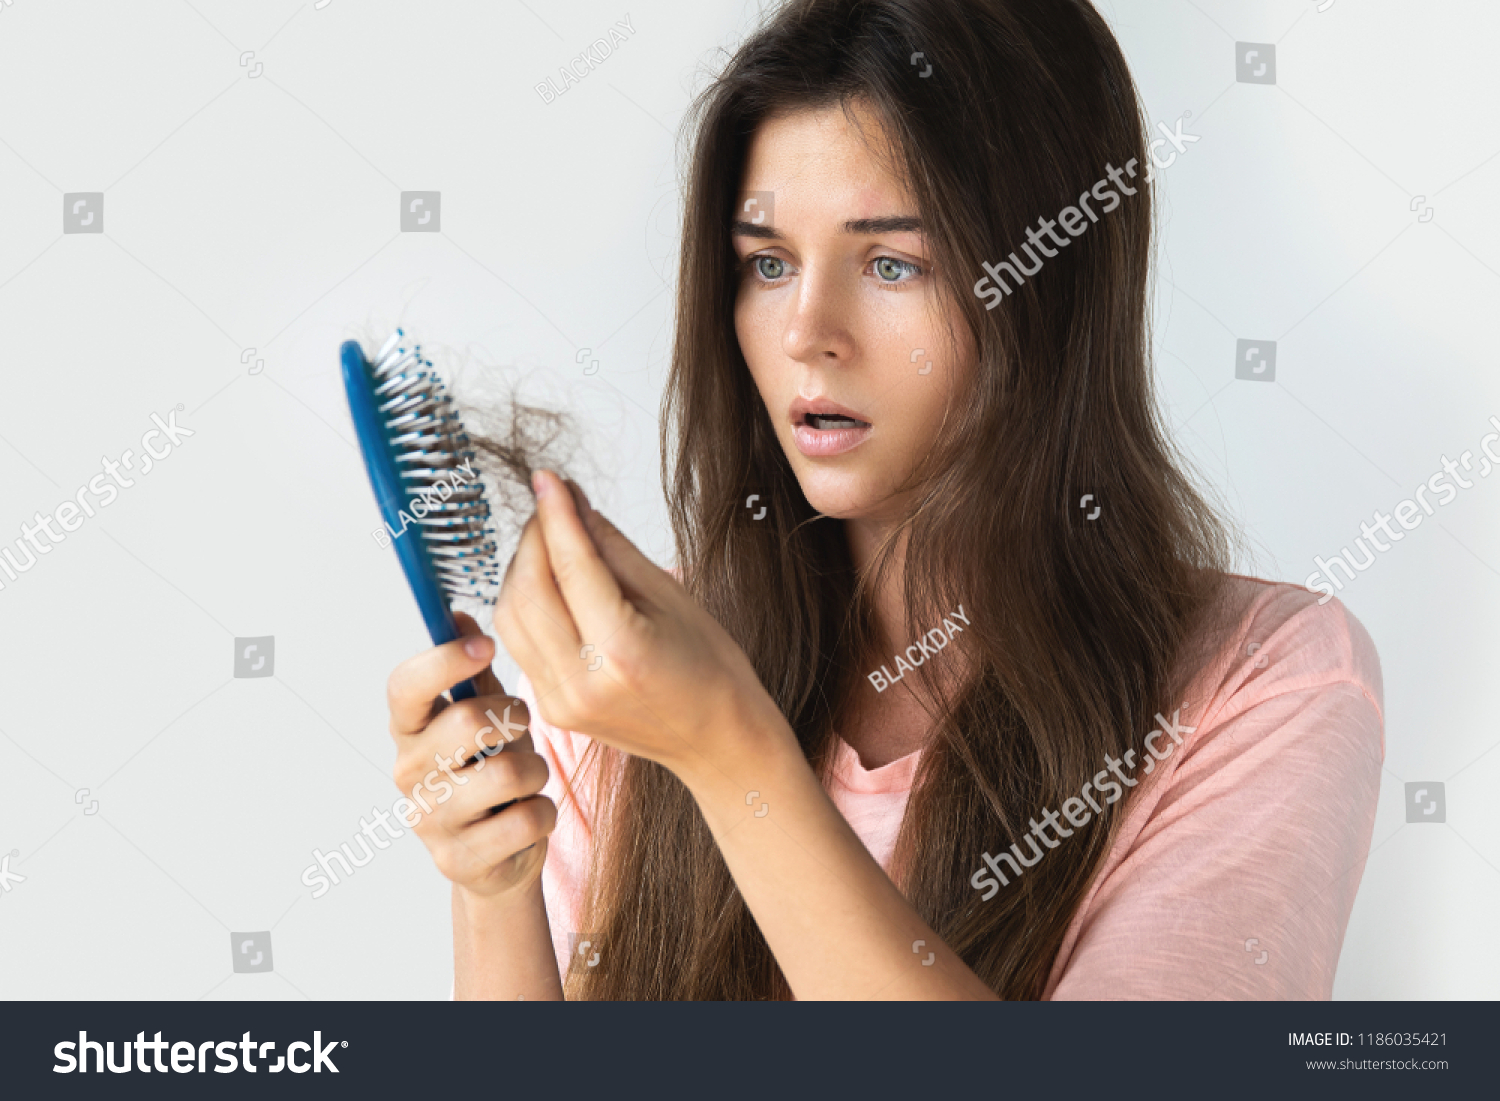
pixel 394 499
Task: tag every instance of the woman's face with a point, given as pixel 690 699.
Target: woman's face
pixel 837 313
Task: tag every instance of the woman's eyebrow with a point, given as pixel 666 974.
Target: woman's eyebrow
pixel 888 223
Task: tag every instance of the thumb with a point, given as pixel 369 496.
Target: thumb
pixel 485 680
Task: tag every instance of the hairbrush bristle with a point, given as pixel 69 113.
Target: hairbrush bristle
pixel 437 466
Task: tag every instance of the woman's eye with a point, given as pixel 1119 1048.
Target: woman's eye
pixel 770 269
pixel 890 269
pixel 772 273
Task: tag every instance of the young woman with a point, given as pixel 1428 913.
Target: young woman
pixel 950 695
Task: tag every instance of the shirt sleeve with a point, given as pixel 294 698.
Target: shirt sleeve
pixel 1240 880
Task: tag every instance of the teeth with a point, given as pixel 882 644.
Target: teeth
pixel 818 420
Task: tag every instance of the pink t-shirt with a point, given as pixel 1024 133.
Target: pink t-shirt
pixel 1236 867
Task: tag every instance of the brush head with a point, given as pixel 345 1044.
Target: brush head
pixel 440 496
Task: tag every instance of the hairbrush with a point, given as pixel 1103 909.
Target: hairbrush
pixel 421 466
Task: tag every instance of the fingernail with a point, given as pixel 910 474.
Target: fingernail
pixel 477 647
pixel 539 483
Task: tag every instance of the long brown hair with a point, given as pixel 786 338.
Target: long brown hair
pixel 1077 627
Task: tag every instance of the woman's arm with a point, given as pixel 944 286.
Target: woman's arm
pixel 673 687
pixel 502 947
pixel 836 923
pixel 1238 867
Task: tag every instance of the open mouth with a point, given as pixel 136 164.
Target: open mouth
pixel 825 422
pixel 823 428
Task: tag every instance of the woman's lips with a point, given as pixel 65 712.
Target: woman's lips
pixel 808 413
pixel 818 443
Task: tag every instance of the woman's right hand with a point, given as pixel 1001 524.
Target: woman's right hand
pixel 489 853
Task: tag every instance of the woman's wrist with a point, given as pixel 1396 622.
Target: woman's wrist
pixel 502 945
pixel 483 907
pixel 741 753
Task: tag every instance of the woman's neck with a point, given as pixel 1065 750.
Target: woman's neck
pixel 864 538
pixel 886 725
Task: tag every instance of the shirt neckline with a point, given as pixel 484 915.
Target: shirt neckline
pixel 890 778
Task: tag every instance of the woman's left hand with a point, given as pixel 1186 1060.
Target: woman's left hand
pixel 617 649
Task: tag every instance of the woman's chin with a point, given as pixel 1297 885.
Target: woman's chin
pixel 842 499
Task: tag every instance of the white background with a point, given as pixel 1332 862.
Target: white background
pixel 261 212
